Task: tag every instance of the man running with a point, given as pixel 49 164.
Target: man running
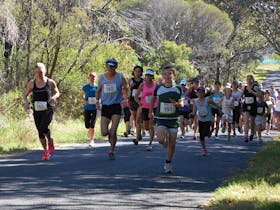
pixel 109 91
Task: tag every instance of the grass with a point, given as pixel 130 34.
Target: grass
pixel 258 187
pixel 21 135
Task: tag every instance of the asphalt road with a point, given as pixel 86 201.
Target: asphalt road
pixel 272 79
pixel 79 177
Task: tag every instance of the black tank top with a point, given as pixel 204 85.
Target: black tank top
pixel 42 94
pixel 135 87
pixel 247 94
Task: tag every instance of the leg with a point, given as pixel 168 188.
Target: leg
pixel 246 124
pixel 113 131
pixel 138 124
pixel 182 124
pixel 161 134
pixel 151 130
pixel 172 143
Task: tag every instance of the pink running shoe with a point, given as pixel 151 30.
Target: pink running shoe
pixel 46 155
pixel 204 152
pixel 51 148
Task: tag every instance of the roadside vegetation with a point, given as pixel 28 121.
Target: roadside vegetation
pixel 257 187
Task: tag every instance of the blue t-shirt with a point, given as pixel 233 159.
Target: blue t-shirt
pixel 90 96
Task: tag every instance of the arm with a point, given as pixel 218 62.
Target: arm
pixel 28 90
pixel 139 90
pixel 151 109
pixel 125 86
pixel 82 96
pixel 98 93
pixel 55 91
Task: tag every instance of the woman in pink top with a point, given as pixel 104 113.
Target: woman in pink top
pixel 147 88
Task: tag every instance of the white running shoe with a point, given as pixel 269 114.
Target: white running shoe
pixel 168 168
pixel 149 148
pixel 91 143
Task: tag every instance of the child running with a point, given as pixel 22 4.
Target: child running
pixel 202 110
pixel 227 110
pixel 170 99
pixel 260 119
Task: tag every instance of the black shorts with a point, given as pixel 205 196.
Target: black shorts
pixel 185 114
pixel 126 114
pixel 90 118
pixel 133 105
pixel 109 110
pixel 236 115
pixel 42 121
pixel 268 117
pixel 216 112
pixel 145 114
pixel 252 109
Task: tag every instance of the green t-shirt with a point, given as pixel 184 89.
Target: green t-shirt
pixel 165 109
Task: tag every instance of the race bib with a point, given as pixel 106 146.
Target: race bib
pixel 260 110
pixel 236 103
pixel 91 100
pixel 269 103
pixel 202 112
pixel 40 105
pixel 216 100
pixel 148 99
pixel 186 102
pixel 277 107
pixel 167 108
pixel 134 91
pixel 110 88
pixel 249 100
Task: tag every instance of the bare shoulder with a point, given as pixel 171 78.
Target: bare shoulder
pixel 52 82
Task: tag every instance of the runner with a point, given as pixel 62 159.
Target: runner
pixel 184 112
pixel 89 100
pixel 126 113
pixel 277 111
pixel 227 110
pixel 134 83
pixel 147 89
pixel 44 94
pixel 249 107
pixel 192 95
pixel 170 99
pixel 270 103
pixel 109 91
pixel 216 97
pixel 260 120
pixel 202 110
pixel 236 95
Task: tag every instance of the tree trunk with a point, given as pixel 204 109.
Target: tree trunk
pixel 29 32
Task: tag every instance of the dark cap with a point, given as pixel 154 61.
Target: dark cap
pixel 201 89
pixel 217 83
pixel 111 62
pixel 195 80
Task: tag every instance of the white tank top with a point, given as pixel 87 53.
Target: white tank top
pixel 277 105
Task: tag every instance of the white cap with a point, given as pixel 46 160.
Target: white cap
pixel 183 82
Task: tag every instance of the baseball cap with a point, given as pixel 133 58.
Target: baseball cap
pixel 201 89
pixel 149 72
pixel 111 62
pixel 195 80
pixel 183 82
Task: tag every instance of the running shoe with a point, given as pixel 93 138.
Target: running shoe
pixel 111 155
pixel 234 133
pixel 168 168
pixel 223 129
pixel 91 143
pixel 251 137
pixel 46 155
pixel 246 139
pixel 149 148
pixel 182 136
pixel 194 137
pixel 125 134
pixel 135 141
pixel 204 152
pixel 51 147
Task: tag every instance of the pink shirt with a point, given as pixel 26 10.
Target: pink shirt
pixel 147 94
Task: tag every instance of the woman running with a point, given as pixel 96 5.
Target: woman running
pixel 89 101
pixel 270 104
pixel 236 95
pixel 147 89
pixel 44 94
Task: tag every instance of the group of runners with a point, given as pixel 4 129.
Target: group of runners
pixel 158 107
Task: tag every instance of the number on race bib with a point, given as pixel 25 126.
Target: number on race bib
pixel 134 91
pixel 236 103
pixel 249 100
pixel 40 105
pixel 167 108
pixel 110 88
